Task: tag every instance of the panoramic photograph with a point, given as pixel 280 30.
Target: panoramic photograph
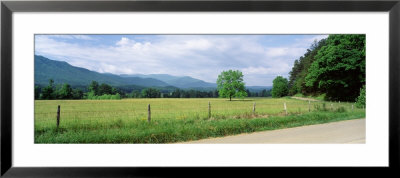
pixel 199 89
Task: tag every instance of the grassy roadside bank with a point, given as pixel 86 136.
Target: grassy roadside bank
pixel 319 97
pixel 180 130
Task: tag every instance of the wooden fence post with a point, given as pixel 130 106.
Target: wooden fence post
pixel 309 107
pixel 331 106
pixel 209 110
pixel 148 114
pixel 254 108
pixel 58 116
pixel 284 106
pixel 352 107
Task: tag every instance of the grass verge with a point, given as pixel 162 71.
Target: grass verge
pixel 320 97
pixel 180 130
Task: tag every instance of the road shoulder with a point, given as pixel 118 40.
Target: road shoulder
pixel 349 131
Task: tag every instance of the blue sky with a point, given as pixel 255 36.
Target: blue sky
pixel 260 57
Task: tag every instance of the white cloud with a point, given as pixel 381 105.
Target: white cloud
pixel 285 51
pixel 124 41
pixel 273 69
pixel 199 56
pixel 199 44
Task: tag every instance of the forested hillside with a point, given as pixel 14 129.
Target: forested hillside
pixel 334 66
pixel 62 72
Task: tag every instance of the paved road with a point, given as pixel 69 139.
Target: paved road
pixel 351 131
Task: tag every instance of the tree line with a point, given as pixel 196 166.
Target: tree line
pixel 177 93
pixel 104 91
pixel 53 91
pixel 65 91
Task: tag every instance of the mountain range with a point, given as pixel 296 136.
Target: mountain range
pixel 62 72
pixel 180 82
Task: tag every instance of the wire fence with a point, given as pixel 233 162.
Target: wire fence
pixel 177 109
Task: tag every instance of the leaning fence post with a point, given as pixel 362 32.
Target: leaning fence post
pixel 254 108
pixel 148 114
pixel 209 110
pixel 284 106
pixel 58 116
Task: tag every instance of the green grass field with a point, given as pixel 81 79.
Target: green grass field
pixel 175 120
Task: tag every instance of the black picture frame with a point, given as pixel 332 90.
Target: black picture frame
pixel 8 7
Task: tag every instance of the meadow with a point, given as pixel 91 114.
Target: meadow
pixel 176 119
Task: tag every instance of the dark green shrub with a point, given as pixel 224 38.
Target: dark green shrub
pixel 279 87
pixel 361 99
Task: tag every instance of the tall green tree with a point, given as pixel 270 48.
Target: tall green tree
pixel 114 91
pixel 297 83
pixel 94 88
pixel 151 93
pixel 104 89
pixel 339 67
pixel 77 93
pixel 176 93
pixel 37 92
pixel 48 92
pixel 230 84
pixel 65 92
pixel 279 87
pixel 296 69
pixel 135 94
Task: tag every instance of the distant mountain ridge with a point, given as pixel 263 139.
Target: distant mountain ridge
pixel 63 72
pixel 180 82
